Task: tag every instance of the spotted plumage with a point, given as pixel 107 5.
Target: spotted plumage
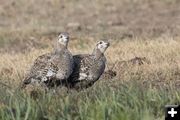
pixel 54 67
pixel 88 67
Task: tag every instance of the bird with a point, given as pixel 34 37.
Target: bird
pixel 52 68
pixel 88 67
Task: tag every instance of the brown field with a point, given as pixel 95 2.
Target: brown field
pixel 140 28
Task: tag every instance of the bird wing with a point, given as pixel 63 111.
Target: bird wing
pixel 86 68
pixel 82 66
pixel 86 71
pixel 38 68
pixel 60 66
pixel 97 69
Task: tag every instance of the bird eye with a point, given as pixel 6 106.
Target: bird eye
pixel 100 42
pixel 60 36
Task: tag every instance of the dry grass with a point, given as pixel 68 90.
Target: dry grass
pixel 162 54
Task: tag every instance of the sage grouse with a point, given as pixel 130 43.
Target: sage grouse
pixel 88 67
pixel 52 68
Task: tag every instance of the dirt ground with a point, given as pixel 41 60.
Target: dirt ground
pixel 34 21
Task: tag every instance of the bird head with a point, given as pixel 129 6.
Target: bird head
pixel 102 46
pixel 63 39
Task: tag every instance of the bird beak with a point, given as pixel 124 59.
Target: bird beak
pixel 108 44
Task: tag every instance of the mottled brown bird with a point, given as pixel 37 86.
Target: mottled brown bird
pixel 88 67
pixel 54 67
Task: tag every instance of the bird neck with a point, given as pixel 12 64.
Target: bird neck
pixel 60 47
pixel 97 53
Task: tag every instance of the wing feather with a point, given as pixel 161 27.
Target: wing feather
pixel 38 69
